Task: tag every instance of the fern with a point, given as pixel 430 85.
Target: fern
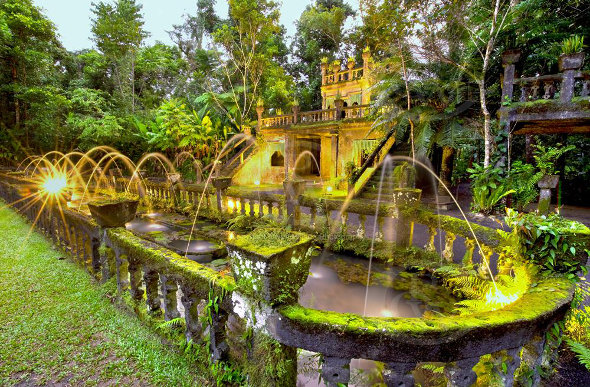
pixel 470 287
pixel 582 352
pixel 172 324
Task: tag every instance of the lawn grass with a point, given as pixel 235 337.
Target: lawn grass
pixel 58 326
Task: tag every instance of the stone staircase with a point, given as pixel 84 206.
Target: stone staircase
pixel 371 189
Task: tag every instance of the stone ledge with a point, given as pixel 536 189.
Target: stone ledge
pixel 441 339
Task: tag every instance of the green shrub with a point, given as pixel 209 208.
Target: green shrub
pixel 523 179
pixel 488 187
pixel 550 241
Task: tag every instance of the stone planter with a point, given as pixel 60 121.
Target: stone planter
pixel 273 275
pixel 113 213
pixel 571 61
pixel 548 182
pixel 511 56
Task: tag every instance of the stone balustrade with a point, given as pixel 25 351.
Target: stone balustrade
pixel 309 117
pixel 218 313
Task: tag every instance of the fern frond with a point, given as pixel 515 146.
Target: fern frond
pixel 172 324
pixel 470 287
pixel 582 352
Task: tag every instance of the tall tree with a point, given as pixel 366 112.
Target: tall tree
pixel 320 33
pixel 247 53
pixel 473 26
pixel 28 55
pixel 118 34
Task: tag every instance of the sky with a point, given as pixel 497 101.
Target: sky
pixel 72 17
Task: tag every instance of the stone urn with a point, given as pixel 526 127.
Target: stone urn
pixel 272 274
pixel 546 184
pixel 113 212
pixel 571 61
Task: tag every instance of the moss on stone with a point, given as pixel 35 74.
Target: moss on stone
pixel 269 241
pixel 200 277
pixel 550 294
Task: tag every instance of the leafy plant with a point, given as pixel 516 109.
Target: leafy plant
pixel 483 295
pixel 548 241
pixel 488 188
pixel 582 352
pixel 572 45
pixel 523 178
pixel 547 156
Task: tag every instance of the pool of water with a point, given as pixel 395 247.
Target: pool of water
pixel 327 288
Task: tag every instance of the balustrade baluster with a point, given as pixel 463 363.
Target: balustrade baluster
pixel 399 374
pixel 523 93
pixel 469 248
pixel 313 213
pixel 335 371
pixel 169 288
pixel 460 373
pixel 150 278
pixel 483 268
pixel 135 280
pixel 585 88
pixel 362 230
pixel 432 232
pixel 190 301
pixel 251 204
pixel 269 208
pixel 122 272
pixel 448 251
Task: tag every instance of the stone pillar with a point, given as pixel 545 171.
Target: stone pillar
pixel 259 111
pixel 295 108
pixel 135 281
pixel 569 65
pixel 326 158
pixel 190 301
pixel 546 184
pixel 509 60
pixel 512 363
pixel 335 371
pixel 150 277
pixel 169 289
pixel 460 373
pixel 122 273
pixel 399 374
pixel 221 184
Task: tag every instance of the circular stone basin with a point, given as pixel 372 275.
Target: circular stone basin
pixel 197 250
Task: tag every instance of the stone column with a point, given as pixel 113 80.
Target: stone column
pixel 399 374
pixel 190 300
pixel 259 111
pixel 295 108
pixel 460 373
pixel 509 60
pixel 335 371
pixel 169 289
pixel 150 277
pixel 569 65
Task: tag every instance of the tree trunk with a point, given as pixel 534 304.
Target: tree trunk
pixel 16 102
pixel 446 169
pixel 486 124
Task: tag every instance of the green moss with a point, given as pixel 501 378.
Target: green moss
pixel 548 295
pixel 200 277
pixel 270 241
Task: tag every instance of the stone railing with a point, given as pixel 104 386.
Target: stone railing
pixel 318 116
pixel 314 116
pixel 343 76
pixel 237 324
pixel 444 234
pixel 563 87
